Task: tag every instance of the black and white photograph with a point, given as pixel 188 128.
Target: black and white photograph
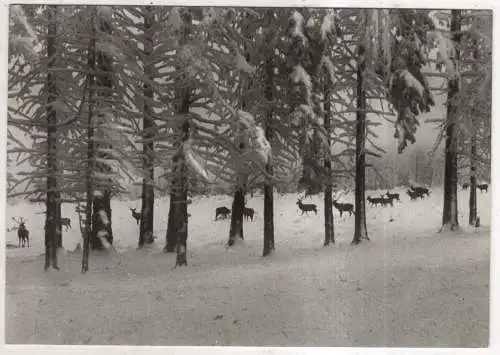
pixel 248 176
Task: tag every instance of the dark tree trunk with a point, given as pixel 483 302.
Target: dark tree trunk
pixel 102 228
pixel 473 159
pixel 182 217
pixel 473 181
pixel 171 235
pixel 178 215
pixel 148 198
pixel 90 155
pixel 360 230
pixel 101 223
pixel 269 244
pixel 450 208
pixel 236 228
pixel 51 227
pixel 179 212
pixel 58 220
pixel 329 222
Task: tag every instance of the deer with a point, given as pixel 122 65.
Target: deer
pixel 374 200
pixel 392 196
pixel 22 233
pixel 421 190
pixel 248 213
pixel 136 215
pixel 386 201
pixel 307 207
pixel 482 187
pixel 63 222
pixel 414 194
pixel 342 207
pixel 66 222
pixel 222 211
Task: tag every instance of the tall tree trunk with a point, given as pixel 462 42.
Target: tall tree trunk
pixel 177 228
pixel 360 230
pixel 269 244
pixel 181 195
pixel 329 222
pixel 58 218
pixel 473 181
pixel 148 124
pixel 450 208
pixel 90 152
pixel 101 224
pixel 170 234
pixel 51 227
pixel 102 214
pixel 238 205
pixel 473 158
pixel 236 227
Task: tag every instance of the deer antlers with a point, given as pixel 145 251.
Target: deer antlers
pixel 337 195
pixel 19 220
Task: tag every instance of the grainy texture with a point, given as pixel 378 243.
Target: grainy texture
pixel 407 287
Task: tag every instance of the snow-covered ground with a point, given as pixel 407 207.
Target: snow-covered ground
pixel 408 286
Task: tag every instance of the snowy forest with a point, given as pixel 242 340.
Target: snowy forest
pixel 130 105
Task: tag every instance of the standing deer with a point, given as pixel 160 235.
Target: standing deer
pixel 482 187
pixel 222 211
pixel 136 215
pixel 307 207
pixel 393 196
pixel 420 190
pixel 374 201
pixel 63 222
pixel 248 213
pixel 22 233
pixel 414 194
pixel 386 201
pixel 342 207
pixel 66 222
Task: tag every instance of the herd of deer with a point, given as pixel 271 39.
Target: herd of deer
pixel 23 234
pixel 137 215
pixel 384 200
pixel 388 198
pixel 224 212
pixel 220 213
pixel 481 187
